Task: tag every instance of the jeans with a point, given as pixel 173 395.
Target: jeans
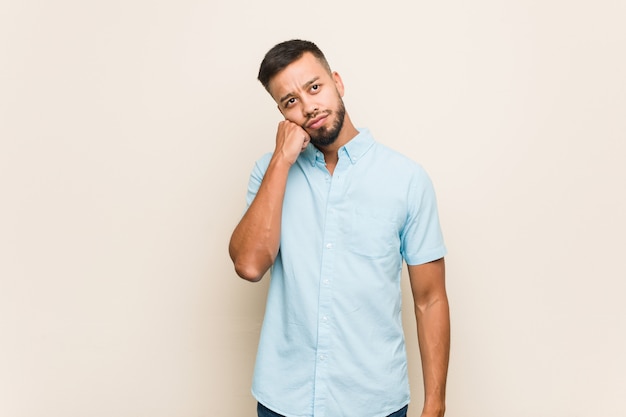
pixel 263 411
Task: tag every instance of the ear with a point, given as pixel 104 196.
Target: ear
pixel 338 83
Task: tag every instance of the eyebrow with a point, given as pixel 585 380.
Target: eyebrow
pixel 304 87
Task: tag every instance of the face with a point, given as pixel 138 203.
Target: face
pixel 308 95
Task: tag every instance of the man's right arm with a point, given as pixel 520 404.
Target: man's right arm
pixel 255 241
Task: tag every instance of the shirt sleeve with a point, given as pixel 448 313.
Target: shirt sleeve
pixel 256 177
pixel 421 237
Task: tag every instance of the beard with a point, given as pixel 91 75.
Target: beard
pixel 325 136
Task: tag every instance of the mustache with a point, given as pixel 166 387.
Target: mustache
pixel 315 115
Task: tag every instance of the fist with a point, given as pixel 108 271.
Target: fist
pixel 291 140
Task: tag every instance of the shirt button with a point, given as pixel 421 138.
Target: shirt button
pixel 324 319
pixel 326 281
pixel 329 246
pixel 322 357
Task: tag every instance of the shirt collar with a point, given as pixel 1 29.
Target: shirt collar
pixel 354 149
pixel 359 145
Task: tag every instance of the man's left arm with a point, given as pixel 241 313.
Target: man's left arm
pixel 433 331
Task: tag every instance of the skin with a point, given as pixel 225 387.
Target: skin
pixel 309 97
pixel 432 315
pixel 305 92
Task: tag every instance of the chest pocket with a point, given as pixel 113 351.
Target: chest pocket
pixel 374 233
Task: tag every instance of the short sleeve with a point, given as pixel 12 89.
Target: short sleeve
pixel 421 238
pixel 256 177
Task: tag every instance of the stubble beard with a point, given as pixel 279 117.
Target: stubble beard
pixel 325 136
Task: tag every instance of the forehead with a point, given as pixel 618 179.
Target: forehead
pixel 296 75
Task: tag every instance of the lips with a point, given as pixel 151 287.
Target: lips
pixel 317 122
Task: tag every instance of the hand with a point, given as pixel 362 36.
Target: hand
pixel 291 140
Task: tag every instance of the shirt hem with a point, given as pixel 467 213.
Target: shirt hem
pixel 429 256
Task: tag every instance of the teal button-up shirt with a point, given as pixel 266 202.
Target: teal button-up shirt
pixel 332 343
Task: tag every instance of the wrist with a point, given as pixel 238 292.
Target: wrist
pixel 283 158
pixel 434 410
pixel 280 160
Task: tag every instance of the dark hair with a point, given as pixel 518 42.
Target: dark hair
pixel 283 54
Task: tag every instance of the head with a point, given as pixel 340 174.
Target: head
pixel 307 92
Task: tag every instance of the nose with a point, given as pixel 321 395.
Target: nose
pixel 309 108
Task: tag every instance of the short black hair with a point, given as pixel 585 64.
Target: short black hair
pixel 283 54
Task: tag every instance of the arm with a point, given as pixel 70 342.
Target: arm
pixel 433 332
pixel 255 241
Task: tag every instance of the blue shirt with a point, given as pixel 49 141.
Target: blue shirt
pixel 332 343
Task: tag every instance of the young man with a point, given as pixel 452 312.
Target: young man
pixel 335 214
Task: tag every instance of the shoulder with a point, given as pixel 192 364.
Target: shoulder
pixel 396 162
pixel 264 160
pixel 261 164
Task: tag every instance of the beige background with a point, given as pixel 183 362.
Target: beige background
pixel 128 130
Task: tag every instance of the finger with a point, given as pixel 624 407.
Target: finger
pixel 307 139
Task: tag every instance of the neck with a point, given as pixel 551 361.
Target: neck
pixel 331 155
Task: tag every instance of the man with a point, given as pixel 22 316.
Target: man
pixel 335 214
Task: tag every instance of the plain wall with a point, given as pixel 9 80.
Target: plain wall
pixel 128 130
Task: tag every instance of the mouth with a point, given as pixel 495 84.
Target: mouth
pixel 317 122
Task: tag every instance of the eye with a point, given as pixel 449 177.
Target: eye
pixel 290 102
pixel 315 87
